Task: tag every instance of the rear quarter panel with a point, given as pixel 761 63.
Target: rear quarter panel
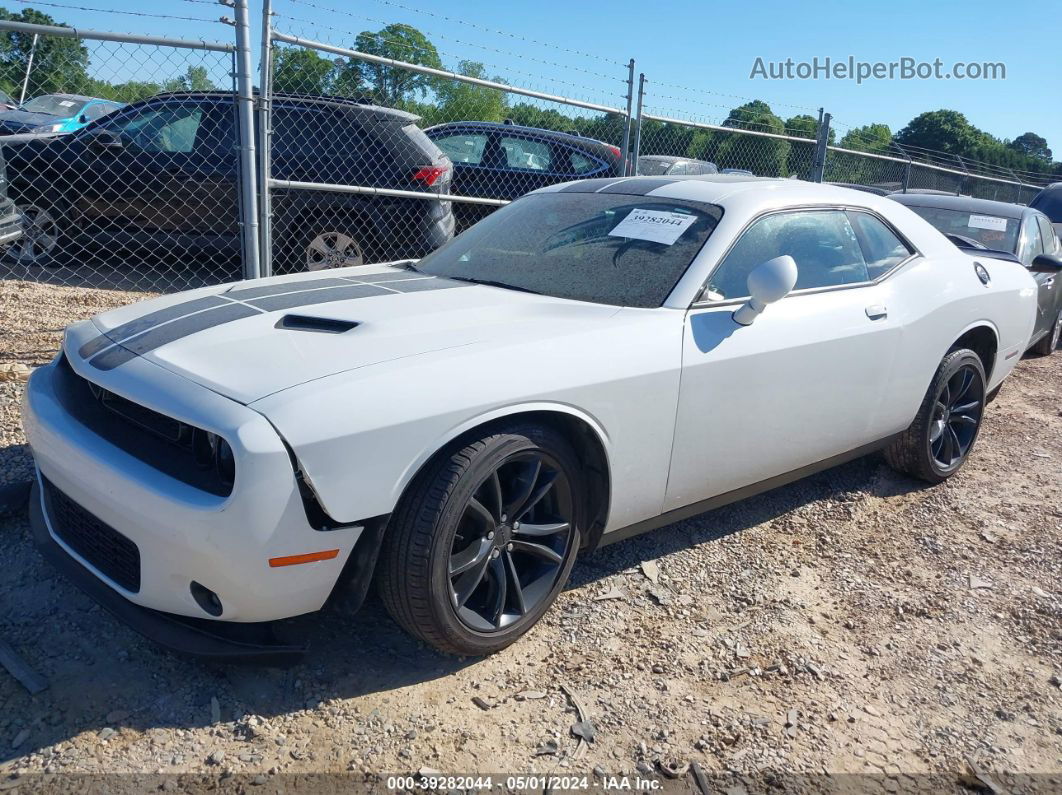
pixel 935 300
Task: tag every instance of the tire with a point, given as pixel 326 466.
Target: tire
pixel 325 241
pixel 1046 345
pixel 944 431
pixel 44 242
pixel 438 540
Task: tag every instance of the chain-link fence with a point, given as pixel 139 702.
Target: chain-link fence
pixel 371 159
pixel 149 163
pixel 122 158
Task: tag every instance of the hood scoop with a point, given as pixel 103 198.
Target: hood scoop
pixel 320 325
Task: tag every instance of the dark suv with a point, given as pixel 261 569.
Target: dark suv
pixel 504 161
pixel 162 175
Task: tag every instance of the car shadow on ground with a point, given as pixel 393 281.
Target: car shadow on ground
pixel 103 676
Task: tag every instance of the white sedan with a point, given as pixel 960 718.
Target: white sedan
pixel 594 360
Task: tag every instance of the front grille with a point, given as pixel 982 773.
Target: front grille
pixel 170 446
pixel 114 555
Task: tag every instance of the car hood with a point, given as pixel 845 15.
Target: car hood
pixel 25 118
pixel 253 339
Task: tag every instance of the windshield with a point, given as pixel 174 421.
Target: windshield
pixel 53 105
pixel 990 231
pixel 652 168
pixel 1049 202
pixel 606 248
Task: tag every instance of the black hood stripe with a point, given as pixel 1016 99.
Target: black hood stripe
pixel 182 320
pixel 148 321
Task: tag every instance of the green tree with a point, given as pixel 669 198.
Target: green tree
pixel 1032 145
pixel 195 79
pixel 59 64
pixel 297 70
pixel 388 85
pixel 801 156
pixel 766 157
pixel 869 138
pixel 457 101
pixel 943 131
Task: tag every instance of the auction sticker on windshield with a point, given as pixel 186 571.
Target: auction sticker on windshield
pixel 988 222
pixel 657 226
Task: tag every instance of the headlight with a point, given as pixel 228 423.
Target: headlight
pixel 225 462
pixel 46 128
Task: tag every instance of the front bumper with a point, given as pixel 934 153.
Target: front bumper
pixel 218 640
pixel 181 533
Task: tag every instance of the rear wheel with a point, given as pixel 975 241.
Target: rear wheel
pixel 43 236
pixel 484 540
pixel 1046 345
pixel 325 241
pixel 940 439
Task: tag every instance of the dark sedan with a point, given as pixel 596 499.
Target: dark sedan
pixel 1022 231
pixel 504 161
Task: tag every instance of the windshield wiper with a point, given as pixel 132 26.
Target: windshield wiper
pixel 492 283
pixel 408 264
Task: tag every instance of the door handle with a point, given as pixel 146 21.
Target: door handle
pixel 877 312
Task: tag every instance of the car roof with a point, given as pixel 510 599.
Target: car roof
pixel 77 97
pixel 343 103
pixel 519 128
pixel 964 204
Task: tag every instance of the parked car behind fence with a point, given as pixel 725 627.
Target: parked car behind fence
pixel 504 161
pixel 1022 231
pixel 55 113
pixel 162 175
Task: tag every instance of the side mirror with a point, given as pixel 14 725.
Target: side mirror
pixel 102 140
pixel 1046 263
pixel 770 281
pixel 82 119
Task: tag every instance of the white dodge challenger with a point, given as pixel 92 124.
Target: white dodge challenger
pixel 592 361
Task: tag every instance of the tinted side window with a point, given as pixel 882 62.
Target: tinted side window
pixel 314 133
pixel 524 154
pixel 1049 202
pixel 1049 236
pixel 463 147
pixel 581 164
pixel 1032 244
pixel 882 250
pixel 169 128
pixel 822 242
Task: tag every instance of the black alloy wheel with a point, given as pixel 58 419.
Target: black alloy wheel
pixel 509 550
pixel 956 417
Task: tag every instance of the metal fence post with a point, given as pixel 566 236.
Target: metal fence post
pixel 638 128
pixel 29 68
pixel 965 177
pixel 625 151
pixel 265 141
pixel 818 166
pixel 248 166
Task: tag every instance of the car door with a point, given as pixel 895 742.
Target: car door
pixel 162 170
pixel 1030 246
pixel 803 383
pixel 1050 290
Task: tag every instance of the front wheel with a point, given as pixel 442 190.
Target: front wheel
pixel 1046 345
pixel 42 238
pixel 940 439
pixel 484 540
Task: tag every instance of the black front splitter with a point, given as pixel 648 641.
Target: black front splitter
pixel 220 641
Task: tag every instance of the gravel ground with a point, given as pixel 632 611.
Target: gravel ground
pixel 855 622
